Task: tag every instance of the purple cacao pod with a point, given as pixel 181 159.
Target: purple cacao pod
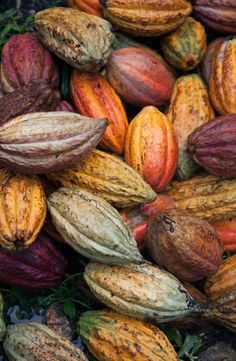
pixel 40 266
pixel 64 106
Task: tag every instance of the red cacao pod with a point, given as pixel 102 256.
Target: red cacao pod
pixel 64 106
pixel 184 245
pixel 92 7
pixel 139 76
pixel 94 97
pixel 213 146
pixel 226 231
pixel 218 15
pixel 40 266
pixel 24 59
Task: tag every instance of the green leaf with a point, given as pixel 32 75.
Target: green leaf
pixel 174 336
pixel 190 346
pixel 69 308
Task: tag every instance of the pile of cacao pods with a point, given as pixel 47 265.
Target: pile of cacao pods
pixel 136 172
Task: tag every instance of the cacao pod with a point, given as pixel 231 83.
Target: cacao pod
pixel 218 15
pixel 64 106
pixel 151 18
pixel 226 231
pixel 94 97
pixel 92 7
pixel 151 148
pixel 82 40
pixel 2 323
pixel 92 226
pixel 222 85
pixel 209 56
pixel 109 178
pixel 186 246
pixel 139 76
pixel 23 209
pixel 185 47
pixel 24 59
pixel 213 146
pixel 218 351
pixel 143 291
pixel 33 97
pixel 47 142
pixel 111 336
pixel 34 341
pixel 58 322
pixel 189 108
pixel 207 197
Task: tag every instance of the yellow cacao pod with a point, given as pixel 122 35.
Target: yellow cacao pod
pixel 111 336
pixel 22 209
pixel 189 108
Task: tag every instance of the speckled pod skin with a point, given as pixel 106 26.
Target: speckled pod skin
pixel 111 336
pixel 92 7
pixel 45 142
pixel 185 47
pixel 189 108
pixel 222 85
pixel 108 177
pixel 151 148
pixel 82 40
pixel 22 209
pixel 92 227
pixel 142 18
pixel 34 341
pixel 94 97
pixel 207 197
pixel 23 59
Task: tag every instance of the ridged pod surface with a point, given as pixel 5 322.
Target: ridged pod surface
pixel 111 336
pixel 82 40
pixel 24 59
pixel 65 106
pixel 108 177
pixel 34 341
pixel 45 142
pixel 139 76
pixel 222 85
pixel 142 291
pixel 151 148
pixel 211 51
pixel 94 97
pixel 2 323
pixel 189 108
pixel 92 7
pixel 213 146
pixel 207 197
pixel 185 47
pixel 22 209
pixel 92 226
pixel 226 231
pixel 142 18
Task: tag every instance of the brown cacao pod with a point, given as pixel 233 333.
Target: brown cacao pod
pixel 94 97
pixel 23 209
pixel 150 18
pixel 209 56
pixel 111 336
pixel 42 265
pixel 218 351
pixel 139 76
pixel 92 7
pixel 106 176
pixel 33 97
pixel 222 85
pixel 151 148
pixel 82 40
pixel 186 246
pixel 189 108
pixel 24 59
pixel 207 197
pixel 185 47
pixel 59 322
pixel 34 341
pixel 64 106
pixel 226 231
pixel 45 142
pixel 213 146
pixel 218 15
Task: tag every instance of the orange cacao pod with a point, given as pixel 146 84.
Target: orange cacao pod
pixel 93 96
pixel 139 76
pixel 222 86
pixel 226 231
pixel 24 59
pixel 151 148
pixel 92 7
